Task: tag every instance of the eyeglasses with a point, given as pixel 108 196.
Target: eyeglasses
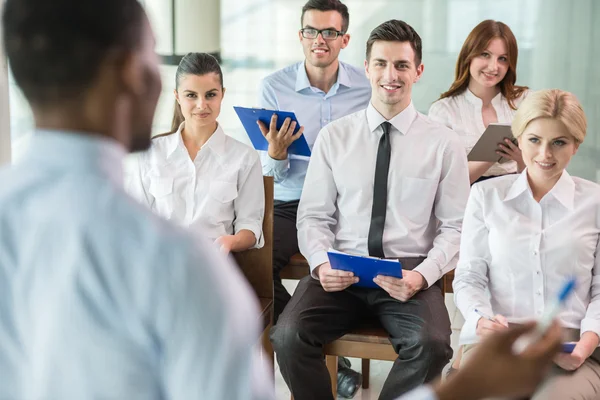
pixel 327 34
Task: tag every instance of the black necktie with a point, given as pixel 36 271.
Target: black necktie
pixel 382 168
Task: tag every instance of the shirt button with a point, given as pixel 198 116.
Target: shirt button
pixel 535 252
pixel 538 272
pixel 539 312
pixel 539 292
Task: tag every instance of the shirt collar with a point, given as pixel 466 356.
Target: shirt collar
pixel 78 151
pixel 563 190
pixel 401 121
pixel 302 81
pixel 216 143
pixel 477 102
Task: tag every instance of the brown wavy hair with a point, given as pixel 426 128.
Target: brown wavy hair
pixel 474 45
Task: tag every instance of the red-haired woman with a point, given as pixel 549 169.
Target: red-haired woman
pixel 484 92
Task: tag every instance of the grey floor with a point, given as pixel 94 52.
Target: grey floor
pixel 379 369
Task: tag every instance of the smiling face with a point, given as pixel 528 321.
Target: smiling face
pixel 392 72
pixel 200 98
pixel 321 53
pixel 490 67
pixel 547 148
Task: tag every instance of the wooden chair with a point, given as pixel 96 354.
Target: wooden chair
pixel 257 266
pixel 367 342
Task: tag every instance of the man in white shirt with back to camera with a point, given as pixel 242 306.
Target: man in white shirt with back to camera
pixel 99 298
pixel 385 182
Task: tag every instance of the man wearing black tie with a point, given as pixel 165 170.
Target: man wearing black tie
pixel 387 182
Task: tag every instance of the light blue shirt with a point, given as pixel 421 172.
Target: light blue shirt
pixel 289 90
pixel 101 299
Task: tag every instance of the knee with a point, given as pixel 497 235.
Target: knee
pixel 421 344
pixel 285 337
pixel 438 348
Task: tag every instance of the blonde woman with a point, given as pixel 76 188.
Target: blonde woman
pixel 524 235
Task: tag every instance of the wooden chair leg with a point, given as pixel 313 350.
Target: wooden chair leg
pixel 365 369
pixel 332 365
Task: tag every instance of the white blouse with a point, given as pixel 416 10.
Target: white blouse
pixel 221 191
pixel 523 251
pixel 462 114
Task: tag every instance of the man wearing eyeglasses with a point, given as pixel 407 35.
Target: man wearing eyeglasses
pixel 318 90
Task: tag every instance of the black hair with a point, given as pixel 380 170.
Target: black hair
pixel 193 64
pixel 327 5
pixel 396 31
pixel 55 47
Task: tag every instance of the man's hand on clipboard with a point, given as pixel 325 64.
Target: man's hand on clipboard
pixel 280 140
pixel 334 280
pixel 404 288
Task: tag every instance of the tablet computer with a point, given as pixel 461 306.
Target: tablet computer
pixel 364 267
pixel 487 145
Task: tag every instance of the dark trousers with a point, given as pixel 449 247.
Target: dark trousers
pixel 285 245
pixel 419 331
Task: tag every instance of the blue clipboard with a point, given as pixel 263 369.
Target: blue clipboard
pixel 366 268
pixel 249 116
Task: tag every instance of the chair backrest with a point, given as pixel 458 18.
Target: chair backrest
pixel 257 264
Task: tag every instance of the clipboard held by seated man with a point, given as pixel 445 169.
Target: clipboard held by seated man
pixel 364 267
pixel 249 116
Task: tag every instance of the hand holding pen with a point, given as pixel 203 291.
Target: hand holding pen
pixel 488 324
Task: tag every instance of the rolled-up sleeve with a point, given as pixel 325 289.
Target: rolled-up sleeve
pixel 471 279
pixel 250 204
pixel 317 208
pixel 449 209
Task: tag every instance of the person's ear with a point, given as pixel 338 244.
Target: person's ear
pixel 420 69
pixel 132 77
pixel 345 40
pixel 223 92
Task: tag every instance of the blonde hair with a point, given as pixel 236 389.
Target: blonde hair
pixel 551 103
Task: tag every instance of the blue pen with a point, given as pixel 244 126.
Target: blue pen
pixel 546 319
pixel 554 308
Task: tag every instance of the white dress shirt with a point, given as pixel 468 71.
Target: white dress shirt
pixel 462 114
pixel 221 191
pixel 101 299
pixel 428 187
pixel 524 251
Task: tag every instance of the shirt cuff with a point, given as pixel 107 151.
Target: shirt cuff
pixel 468 333
pixel 590 325
pixel 276 165
pixel 430 271
pixel 260 241
pixel 318 258
pixel 420 393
